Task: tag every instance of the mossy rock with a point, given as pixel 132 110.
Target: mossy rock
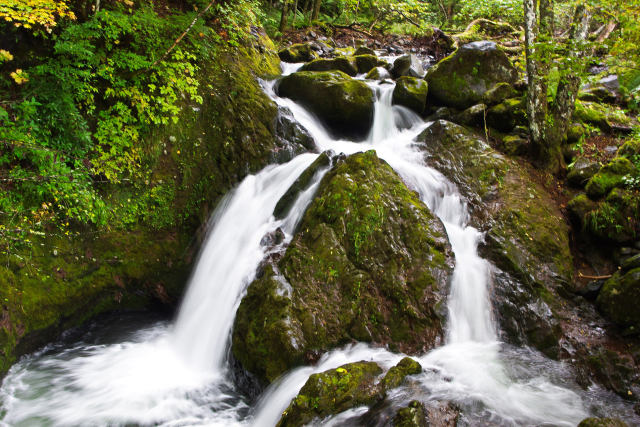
pixel 526 235
pixel 407 65
pixel 580 206
pixel 575 133
pixel 602 422
pixel 609 177
pixel 499 93
pixel 480 29
pixel 619 299
pixel 616 218
pixel 507 115
pixel 473 116
pixel 378 73
pixel 340 63
pixel 334 391
pixel 396 375
pixel 412 93
pixel 630 148
pixel 369 262
pixel 366 63
pixel 605 117
pixel 301 184
pixel 582 171
pixel 363 50
pixel 412 416
pixel 461 79
pixel 515 145
pixel 343 104
pixel 297 53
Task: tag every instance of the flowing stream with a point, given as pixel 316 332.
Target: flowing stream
pixel 178 375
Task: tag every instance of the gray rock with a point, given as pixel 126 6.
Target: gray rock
pixel 407 65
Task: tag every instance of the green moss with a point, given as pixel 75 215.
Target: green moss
pixel 412 93
pixel 602 422
pixel 297 53
pixel 366 63
pixel 332 392
pixel 610 176
pixel 619 299
pixel 341 63
pixel 411 416
pixel 616 218
pixel 396 375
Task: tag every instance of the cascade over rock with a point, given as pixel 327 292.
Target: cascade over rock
pixel 343 104
pixel 461 79
pixel 369 262
pixel 526 236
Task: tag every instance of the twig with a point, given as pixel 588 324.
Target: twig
pixel 586 276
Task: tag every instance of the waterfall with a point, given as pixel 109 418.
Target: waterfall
pixel 176 375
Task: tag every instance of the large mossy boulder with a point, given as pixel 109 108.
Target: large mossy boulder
pixel 526 235
pixel 297 53
pixel 481 29
pixel 334 391
pixel 340 63
pixel 461 79
pixel 343 104
pixel 619 299
pixel 369 262
pixel 412 93
pixel 366 63
pixel 609 177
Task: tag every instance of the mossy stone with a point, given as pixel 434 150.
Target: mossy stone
pixel 499 93
pixel 378 73
pixel 407 65
pixel 411 416
pixel 343 104
pixel 363 50
pixel 412 93
pixel 334 391
pixel 396 375
pixel 615 218
pixel 582 171
pixel 507 115
pixel 340 63
pixel 461 79
pixel 619 299
pixel 366 63
pixel 580 206
pixel 609 177
pixel 301 52
pixel 369 262
pixel 602 422
pixel 480 29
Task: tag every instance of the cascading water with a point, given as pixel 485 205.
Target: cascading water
pixel 177 376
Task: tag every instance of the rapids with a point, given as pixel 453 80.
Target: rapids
pixel 178 374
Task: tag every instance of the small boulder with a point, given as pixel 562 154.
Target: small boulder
pixel 499 93
pixel 341 63
pixel 407 65
pixel 297 53
pixel 334 391
pixel 472 116
pixel 619 299
pixel 609 177
pixel 396 375
pixel 507 115
pixel 412 416
pixel 343 104
pixel 378 73
pixel 363 50
pixel 411 92
pixel 582 171
pixel 481 29
pixel 602 422
pixel 461 79
pixel 365 63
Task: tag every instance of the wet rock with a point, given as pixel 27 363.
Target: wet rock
pixel 396 375
pixel 272 239
pixel 461 79
pixel 443 113
pixel 341 63
pixel 343 104
pixel 303 182
pixel 369 263
pixel 293 138
pixel 297 53
pixel 582 171
pixel 378 73
pixel 412 416
pixel 619 299
pixel 412 93
pixel 334 391
pixel 407 65
pixel 526 235
pixel 602 422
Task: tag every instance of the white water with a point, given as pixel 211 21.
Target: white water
pixel 178 375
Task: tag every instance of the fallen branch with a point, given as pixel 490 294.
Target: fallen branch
pixel 179 39
pixel 586 276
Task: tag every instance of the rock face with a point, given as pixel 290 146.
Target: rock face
pixel 341 63
pixel 412 93
pixel 461 79
pixel 297 53
pixel 526 236
pixel 369 262
pixel 343 104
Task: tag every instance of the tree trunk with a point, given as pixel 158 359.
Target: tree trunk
pixel 536 96
pixel 284 16
pixel 295 13
pixel 316 9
